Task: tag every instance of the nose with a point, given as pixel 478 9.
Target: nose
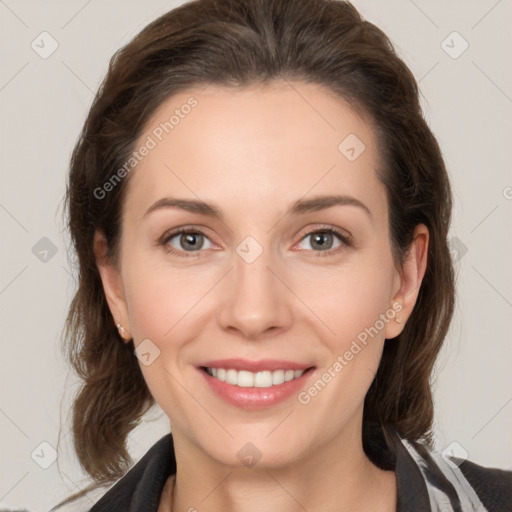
pixel 255 301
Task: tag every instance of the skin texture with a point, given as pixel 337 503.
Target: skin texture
pixel 253 152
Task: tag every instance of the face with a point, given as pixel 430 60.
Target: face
pixel 284 270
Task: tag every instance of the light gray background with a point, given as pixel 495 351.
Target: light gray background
pixel 468 103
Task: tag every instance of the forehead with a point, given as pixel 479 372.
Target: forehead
pixel 270 142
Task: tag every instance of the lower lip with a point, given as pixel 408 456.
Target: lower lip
pixel 255 398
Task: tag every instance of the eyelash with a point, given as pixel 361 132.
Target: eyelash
pixel 346 240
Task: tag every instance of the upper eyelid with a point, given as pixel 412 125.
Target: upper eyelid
pixel 336 230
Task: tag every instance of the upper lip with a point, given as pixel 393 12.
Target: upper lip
pixel 255 366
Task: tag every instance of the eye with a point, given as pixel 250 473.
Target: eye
pixel 186 240
pixel 325 241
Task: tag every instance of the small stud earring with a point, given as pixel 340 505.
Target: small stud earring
pixel 397 320
pixel 121 328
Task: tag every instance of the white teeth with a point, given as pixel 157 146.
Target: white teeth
pixel 263 379
pixel 232 377
pixel 278 377
pixel 245 379
pixel 289 375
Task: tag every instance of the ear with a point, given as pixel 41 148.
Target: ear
pixel 409 280
pixel 112 285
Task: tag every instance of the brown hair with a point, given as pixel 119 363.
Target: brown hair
pixel 237 43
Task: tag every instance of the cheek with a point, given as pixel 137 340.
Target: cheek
pixel 356 310
pixel 162 304
pixel 354 304
pixel 350 299
pixel 160 298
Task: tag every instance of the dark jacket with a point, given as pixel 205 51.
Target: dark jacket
pixel 418 476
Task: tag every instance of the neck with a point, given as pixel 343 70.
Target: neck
pixel 336 476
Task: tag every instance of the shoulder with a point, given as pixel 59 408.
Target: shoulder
pixel 493 486
pixel 433 479
pixel 470 485
pixel 141 486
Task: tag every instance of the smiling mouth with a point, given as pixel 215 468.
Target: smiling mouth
pixel 260 379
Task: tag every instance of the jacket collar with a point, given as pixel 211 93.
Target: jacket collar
pixel 141 488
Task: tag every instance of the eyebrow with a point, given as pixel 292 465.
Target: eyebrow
pixel 300 206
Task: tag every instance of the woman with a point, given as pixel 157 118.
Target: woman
pixel 260 215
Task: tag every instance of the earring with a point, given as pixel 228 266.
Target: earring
pixel 121 329
pixel 397 320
